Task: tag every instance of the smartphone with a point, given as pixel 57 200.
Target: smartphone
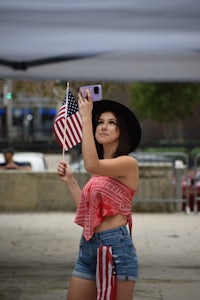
pixel 95 91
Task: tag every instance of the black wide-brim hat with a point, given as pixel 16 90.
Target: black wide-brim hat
pixel 125 113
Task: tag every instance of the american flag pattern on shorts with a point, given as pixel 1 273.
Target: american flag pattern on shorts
pixel 106 280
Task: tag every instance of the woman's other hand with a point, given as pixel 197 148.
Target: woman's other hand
pixel 64 171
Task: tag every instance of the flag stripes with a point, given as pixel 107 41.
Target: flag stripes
pixel 68 129
pixel 105 277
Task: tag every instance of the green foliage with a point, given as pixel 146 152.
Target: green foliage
pixel 195 151
pixel 165 102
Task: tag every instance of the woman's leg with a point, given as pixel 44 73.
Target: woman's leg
pixel 80 289
pixel 125 290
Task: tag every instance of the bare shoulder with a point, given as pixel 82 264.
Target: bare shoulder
pixel 130 174
pixel 130 161
pixel 133 166
pixel 121 166
pixel 126 164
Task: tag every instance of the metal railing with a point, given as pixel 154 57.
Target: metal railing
pixel 171 168
pixel 196 183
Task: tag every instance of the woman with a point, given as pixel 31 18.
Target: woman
pixel 110 131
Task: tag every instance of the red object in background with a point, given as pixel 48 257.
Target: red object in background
pixel 191 183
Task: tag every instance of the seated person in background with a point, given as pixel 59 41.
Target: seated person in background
pixel 10 164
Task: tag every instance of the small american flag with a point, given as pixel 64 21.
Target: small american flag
pixel 106 281
pixel 68 129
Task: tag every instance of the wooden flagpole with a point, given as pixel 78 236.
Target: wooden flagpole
pixel 66 109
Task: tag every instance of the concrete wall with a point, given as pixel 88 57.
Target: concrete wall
pixel 35 191
pixel 43 191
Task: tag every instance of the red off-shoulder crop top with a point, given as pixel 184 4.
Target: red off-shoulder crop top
pixel 103 196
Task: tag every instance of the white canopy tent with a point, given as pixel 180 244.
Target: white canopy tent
pixel 110 40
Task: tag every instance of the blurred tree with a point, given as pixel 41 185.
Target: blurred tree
pixel 168 103
pixel 165 101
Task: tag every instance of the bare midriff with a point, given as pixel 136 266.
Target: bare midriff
pixel 111 222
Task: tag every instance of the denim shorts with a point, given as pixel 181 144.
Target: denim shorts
pixel 123 250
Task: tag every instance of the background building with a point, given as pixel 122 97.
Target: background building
pixel 28 110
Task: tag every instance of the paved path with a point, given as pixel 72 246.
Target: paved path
pixel 38 250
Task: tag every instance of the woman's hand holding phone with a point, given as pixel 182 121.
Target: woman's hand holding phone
pixel 95 92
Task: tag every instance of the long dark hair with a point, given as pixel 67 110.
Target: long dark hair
pixel 124 146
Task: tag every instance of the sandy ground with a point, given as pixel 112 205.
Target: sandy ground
pixel 38 250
